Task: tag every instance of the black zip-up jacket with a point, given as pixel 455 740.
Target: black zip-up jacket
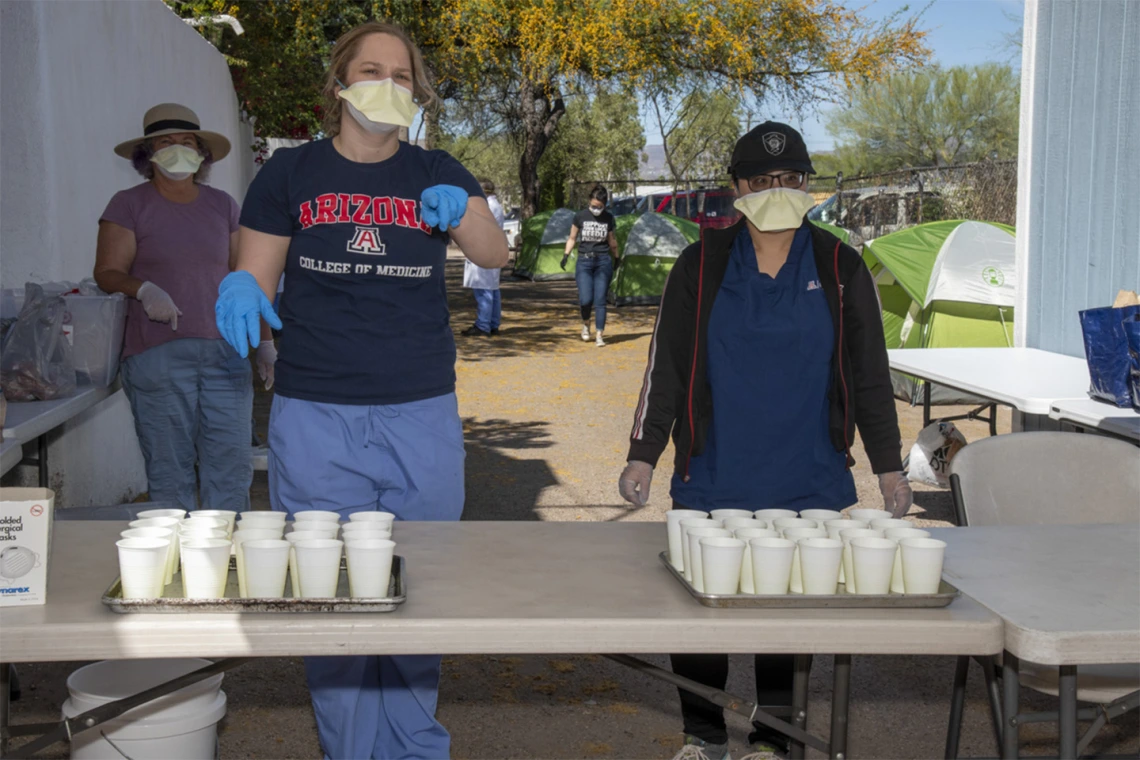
pixel 675 395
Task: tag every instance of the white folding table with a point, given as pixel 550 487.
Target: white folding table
pixel 1097 415
pixel 11 452
pixel 1067 595
pixel 1027 379
pixel 494 587
pixel 29 421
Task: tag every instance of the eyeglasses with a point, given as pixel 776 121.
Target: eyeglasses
pixel 768 181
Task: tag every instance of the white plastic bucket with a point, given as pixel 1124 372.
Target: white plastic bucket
pixel 182 724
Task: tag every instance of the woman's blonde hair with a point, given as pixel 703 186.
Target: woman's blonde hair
pixel 346 48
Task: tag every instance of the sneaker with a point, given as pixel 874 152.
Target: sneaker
pixel 473 330
pixel 763 750
pixel 599 342
pixel 494 331
pixel 585 332
pixel 699 749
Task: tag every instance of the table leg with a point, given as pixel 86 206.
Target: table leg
pixel 800 701
pixel 993 419
pixel 840 700
pixel 1011 690
pixel 989 669
pixel 957 705
pixel 41 444
pixel 5 685
pixel 1067 711
pixel 925 403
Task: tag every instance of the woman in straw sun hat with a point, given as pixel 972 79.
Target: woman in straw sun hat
pixel 166 244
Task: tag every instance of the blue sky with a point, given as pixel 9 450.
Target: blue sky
pixel 961 32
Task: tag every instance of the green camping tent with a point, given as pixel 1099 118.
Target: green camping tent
pixel 649 249
pixel 944 284
pixel 544 239
pixel 839 232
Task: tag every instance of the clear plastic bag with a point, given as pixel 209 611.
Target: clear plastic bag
pixel 930 457
pixel 37 362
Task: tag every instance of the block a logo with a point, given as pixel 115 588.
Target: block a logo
pixel 367 240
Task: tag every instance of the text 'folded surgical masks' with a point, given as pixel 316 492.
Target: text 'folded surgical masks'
pixel 177 161
pixel 780 208
pixel 380 106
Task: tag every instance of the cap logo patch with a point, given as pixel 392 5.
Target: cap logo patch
pixel 774 143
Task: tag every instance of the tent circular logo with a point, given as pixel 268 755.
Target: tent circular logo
pixel 993 277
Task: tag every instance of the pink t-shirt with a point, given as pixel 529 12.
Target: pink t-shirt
pixel 183 248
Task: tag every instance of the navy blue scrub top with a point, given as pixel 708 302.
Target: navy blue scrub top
pixel 770 345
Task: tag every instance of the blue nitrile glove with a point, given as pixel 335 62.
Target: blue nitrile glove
pixel 443 206
pixel 240 303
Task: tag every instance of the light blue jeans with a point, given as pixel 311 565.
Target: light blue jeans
pixel 488 308
pixel 406 459
pixel 192 400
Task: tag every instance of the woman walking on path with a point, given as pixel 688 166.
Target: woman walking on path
pixel 767 354
pixel 365 415
pixel 593 232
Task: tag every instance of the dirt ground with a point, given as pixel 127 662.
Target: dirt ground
pixel 546 418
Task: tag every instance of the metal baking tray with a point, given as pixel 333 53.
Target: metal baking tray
pixel 946 594
pixel 174 603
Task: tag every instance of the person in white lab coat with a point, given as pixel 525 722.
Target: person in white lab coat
pixel 484 283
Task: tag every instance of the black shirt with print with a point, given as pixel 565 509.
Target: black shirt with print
pixel 594 231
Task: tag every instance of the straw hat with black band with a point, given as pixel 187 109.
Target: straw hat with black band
pixel 171 119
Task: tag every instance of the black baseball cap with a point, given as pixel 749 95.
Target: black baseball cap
pixel 771 145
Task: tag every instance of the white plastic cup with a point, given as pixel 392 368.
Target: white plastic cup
pixel 868 515
pixel 724 514
pixel 318 567
pixel 369 567
pixel 673 520
pixel 747 586
pixel 833 527
pixel 885 524
pixel 721 559
pixel 166 534
pixel 820 559
pixel 261 519
pixel 896 535
pixel 846 536
pixel 326 527
pixel 384 518
pixel 769 515
pixel 872 559
pixel 142 566
pixel 794 535
pixel 205 567
pixel 366 535
pixel 185 535
pixel 155 522
pixel 771 564
pixel 349 528
pixel 213 523
pixel 229 515
pixel 684 525
pixel 732 523
pixel 322 515
pixel 695 536
pixel 266 562
pixel 922 564
pixel 821 516
pixel 294 537
pixel 785 523
pixel 250 534
pixel 147 513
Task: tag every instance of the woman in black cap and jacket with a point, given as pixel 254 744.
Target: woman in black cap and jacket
pixel 767 354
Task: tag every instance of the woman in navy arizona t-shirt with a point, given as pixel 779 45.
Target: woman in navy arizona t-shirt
pixel 365 416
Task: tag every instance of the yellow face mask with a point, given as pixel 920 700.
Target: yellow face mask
pixel 780 208
pixel 379 106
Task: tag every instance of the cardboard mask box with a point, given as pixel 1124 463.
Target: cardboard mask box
pixel 25 541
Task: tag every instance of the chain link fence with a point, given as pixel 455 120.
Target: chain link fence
pixel 867 206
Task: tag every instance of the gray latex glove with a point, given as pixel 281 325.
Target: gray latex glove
pixel 158 305
pixel 897 496
pixel 266 358
pixel 633 484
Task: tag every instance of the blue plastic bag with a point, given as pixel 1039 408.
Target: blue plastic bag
pixel 1132 335
pixel 1106 349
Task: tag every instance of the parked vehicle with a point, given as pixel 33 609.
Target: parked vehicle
pixel 512 227
pixel 624 205
pixel 871 212
pixel 710 207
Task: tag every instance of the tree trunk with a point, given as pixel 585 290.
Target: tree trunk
pixel 541 108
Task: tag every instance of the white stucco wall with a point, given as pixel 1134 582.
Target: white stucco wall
pixel 1078 228
pixel 78 76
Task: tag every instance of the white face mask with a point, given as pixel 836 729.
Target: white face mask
pixel 780 208
pixel 177 161
pixel 380 106
pixel 596 211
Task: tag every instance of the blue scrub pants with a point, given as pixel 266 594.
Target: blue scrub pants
pixel 488 308
pixel 406 459
pixel 192 400
pixel 593 274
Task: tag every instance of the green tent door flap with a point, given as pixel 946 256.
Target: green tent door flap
pixel 652 245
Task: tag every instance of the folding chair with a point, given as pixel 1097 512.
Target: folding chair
pixel 1048 478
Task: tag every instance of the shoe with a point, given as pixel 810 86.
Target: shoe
pixel 763 750
pixel 473 330
pixel 599 342
pixel 585 333
pixel 699 749
pixel 494 331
